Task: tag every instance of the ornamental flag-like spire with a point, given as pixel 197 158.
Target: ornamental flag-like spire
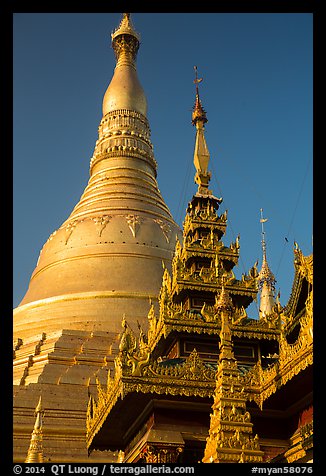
pixel 266 279
pixel 35 451
pixel 201 153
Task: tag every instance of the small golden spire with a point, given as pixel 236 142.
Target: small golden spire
pixel 35 451
pixel 265 274
pixel 199 114
pixel 266 279
pixel 201 153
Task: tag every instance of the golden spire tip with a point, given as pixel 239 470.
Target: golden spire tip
pixel 199 114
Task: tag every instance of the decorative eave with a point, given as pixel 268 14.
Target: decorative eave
pixel 209 249
pixel 190 378
pixel 303 272
pixel 303 264
pixel 203 283
pixel 292 359
pixel 290 307
pixel 204 219
pixel 210 279
pixel 206 321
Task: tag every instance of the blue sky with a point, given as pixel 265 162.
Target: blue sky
pixel 257 91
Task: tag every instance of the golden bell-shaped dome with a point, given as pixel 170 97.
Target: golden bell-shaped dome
pixel 106 259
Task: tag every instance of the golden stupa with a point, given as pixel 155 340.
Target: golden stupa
pixel 106 258
pixel 105 261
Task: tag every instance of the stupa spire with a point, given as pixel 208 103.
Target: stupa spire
pixel 266 279
pixel 35 451
pixel 201 153
pixel 125 90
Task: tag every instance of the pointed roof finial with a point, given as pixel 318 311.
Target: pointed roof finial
pixel 265 274
pixel 201 153
pixel 199 114
pixel 39 408
pixel 35 451
pixel 266 279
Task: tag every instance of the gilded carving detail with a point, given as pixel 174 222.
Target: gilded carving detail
pixel 165 227
pixel 134 222
pixel 197 216
pixel 101 222
pixel 192 369
pixel 69 228
pixel 175 317
pixel 304 264
pixel 160 453
pixel 123 132
pixel 303 272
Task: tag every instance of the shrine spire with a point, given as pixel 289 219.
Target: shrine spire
pixel 201 153
pixel 35 451
pixel 266 279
